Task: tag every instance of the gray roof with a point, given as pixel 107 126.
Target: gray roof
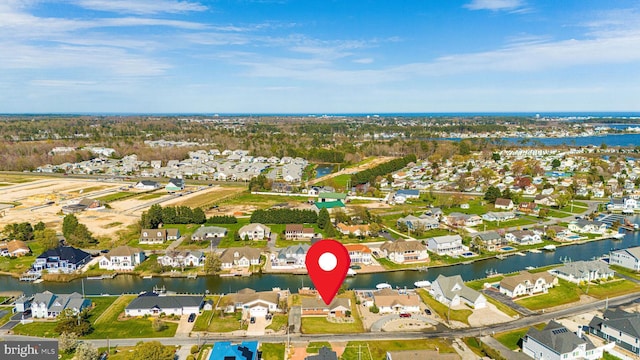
pixel 204 230
pixel 446 239
pixel 580 269
pixel 489 236
pixel 165 302
pixel 323 354
pixel 316 303
pixel 558 338
pixel 633 251
pixel 59 302
pixel 448 283
pixel 628 323
pixel 293 250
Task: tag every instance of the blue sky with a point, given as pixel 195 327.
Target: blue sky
pixel 321 56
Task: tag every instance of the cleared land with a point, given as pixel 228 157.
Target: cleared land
pixel 377 350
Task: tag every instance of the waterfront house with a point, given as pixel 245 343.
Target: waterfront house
pixel 451 291
pixel 255 232
pixel 359 253
pixel 627 258
pixel 489 240
pixel 422 222
pixel 63 259
pixel 579 271
pixel 526 283
pixel 181 259
pixel 122 258
pixel 208 233
pixel 392 301
pixel 435 212
pixel 583 226
pixel 298 232
pixel 14 248
pixel 252 302
pixel 505 204
pixel 224 350
pixel 402 251
pixel 291 257
pixel 446 245
pixel 154 304
pixel 316 307
pixel 174 184
pixel 619 327
pixel 47 305
pixel 556 342
pixel 242 257
pixel 146 185
pixel 523 237
pixel 153 236
pixel 357 230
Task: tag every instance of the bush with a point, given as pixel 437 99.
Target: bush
pixel 191 357
pixel 195 349
pixel 374 309
pixel 158 325
pixel 222 219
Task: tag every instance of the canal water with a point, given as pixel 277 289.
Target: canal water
pixel 324 169
pixel 214 284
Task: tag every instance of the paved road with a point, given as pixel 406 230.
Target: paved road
pixel 15 320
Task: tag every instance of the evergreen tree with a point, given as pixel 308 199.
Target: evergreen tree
pixel 198 216
pixel 492 194
pixel 69 225
pixel 323 219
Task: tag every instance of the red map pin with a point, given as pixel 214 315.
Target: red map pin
pixel 327 263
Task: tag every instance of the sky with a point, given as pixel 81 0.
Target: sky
pixel 319 56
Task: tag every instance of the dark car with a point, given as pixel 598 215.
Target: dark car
pixel 192 318
pixel 405 315
pixel 427 311
pixel 252 320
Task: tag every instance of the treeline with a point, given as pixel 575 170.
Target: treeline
pixel 76 234
pixel 369 175
pixel 284 216
pixel 157 215
pixel 222 219
pixel 325 155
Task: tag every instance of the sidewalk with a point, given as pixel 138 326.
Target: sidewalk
pixel 503 350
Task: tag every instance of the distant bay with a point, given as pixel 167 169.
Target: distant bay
pixel 609 140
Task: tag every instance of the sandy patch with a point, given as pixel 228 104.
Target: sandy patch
pixel 487 316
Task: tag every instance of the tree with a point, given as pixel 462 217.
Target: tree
pixel 495 156
pixel 555 163
pixel 323 218
pixel 86 351
pixel 198 216
pixel 67 342
pixel 19 231
pixel 492 194
pixel 212 264
pixel 69 225
pixel 71 322
pixel 152 350
pixel 340 216
pixel 158 325
pixel 194 349
pixel 47 238
pixel 39 226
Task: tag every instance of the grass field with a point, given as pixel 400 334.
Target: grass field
pixel 493 225
pixel 37 328
pixel 320 325
pixel 272 351
pixel 377 350
pixel 443 310
pixel 478 284
pixel 117 196
pixel 625 271
pixel 564 293
pixel 315 346
pixel 218 322
pixel 610 289
pixel 150 196
pixel 511 339
pixel 278 322
pixel 205 199
pixel 390 265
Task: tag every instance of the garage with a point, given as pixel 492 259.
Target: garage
pixel 258 311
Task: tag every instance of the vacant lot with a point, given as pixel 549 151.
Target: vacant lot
pixel 377 350
pixel 564 293
pixel 216 321
pixel 443 310
pixel 320 325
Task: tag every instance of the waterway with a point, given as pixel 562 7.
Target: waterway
pixel 609 140
pixel 324 169
pixel 215 285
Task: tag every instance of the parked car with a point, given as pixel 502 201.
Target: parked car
pixel 405 315
pixel 192 318
pixel 252 320
pixel 427 311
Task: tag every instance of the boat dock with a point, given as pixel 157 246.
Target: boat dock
pixel 624 222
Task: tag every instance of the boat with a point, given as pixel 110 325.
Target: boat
pixel 535 251
pixel 618 236
pixel 148 277
pixel 549 247
pixel 351 272
pixel 491 272
pixel 383 286
pixel 422 284
pixel 530 267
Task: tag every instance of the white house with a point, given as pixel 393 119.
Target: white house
pixel 153 304
pixel 498 216
pixel 556 342
pixel 359 254
pixel 523 237
pixel 240 257
pixel 255 232
pixel 291 257
pixel 146 185
pixel 579 271
pixel 254 303
pixel 446 245
pixel 582 226
pixel 505 204
pixel 527 283
pixel 179 259
pixel 47 305
pixel 122 258
pixel 208 233
pixel 402 251
pixel 452 291
pixel 627 258
pixel 391 301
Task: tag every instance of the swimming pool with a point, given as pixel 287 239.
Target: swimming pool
pixel 507 248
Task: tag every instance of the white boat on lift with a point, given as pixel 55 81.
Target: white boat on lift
pixel 383 286
pixel 422 284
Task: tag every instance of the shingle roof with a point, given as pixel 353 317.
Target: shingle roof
pixel 71 254
pixel 402 246
pixel 510 282
pixel 228 255
pixel 448 283
pixel 165 302
pixel 123 251
pixel 557 337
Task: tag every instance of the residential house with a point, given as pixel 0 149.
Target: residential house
pixel 451 291
pixel 620 327
pixel 316 307
pixel 181 259
pixel 556 342
pixel 498 216
pixel 324 353
pixel 146 185
pixel 583 226
pixel 579 271
pixel 47 305
pixel 505 204
pixel 526 283
pixel 331 197
pixel 446 245
pixel 122 258
pixel 291 257
pixel 173 234
pixel 392 301
pixel 298 232
pixel 153 236
pixel 459 219
pixel 224 350
pixel 529 208
pixel 252 302
pixel 402 251
pixel 359 254
pixel 14 248
pixel 174 184
pixel 357 230
pixel 422 222
pixel 408 193
pixel 489 240
pixel 255 232
pixel 242 257
pixel 82 205
pixel 523 237
pixel 434 212
pixel 627 258
pixel 208 233
pixel 154 304
pixel 545 200
pixel 329 205
pixel 63 259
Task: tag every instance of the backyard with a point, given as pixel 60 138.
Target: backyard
pixel 564 293
pixel 217 321
pixel 320 325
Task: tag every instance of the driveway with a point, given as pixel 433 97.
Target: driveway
pixel 258 327
pixel 184 326
pixel 380 323
pixel 507 301
pixel 295 319
pixel 15 320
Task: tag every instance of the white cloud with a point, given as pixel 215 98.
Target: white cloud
pixel 497 5
pixel 363 61
pixel 142 7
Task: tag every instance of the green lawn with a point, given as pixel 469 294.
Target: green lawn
pixel 218 322
pixel 511 339
pixel 37 328
pixel 377 350
pixel 100 305
pixel 557 214
pixel 564 293
pixel 150 196
pixel 475 207
pixel 315 346
pixel 493 225
pixel 390 265
pixel 610 289
pixel 272 351
pixel 23 263
pixel 624 271
pixel 108 325
pixel 320 325
pixel 443 310
pixel 478 284
pixel 278 322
